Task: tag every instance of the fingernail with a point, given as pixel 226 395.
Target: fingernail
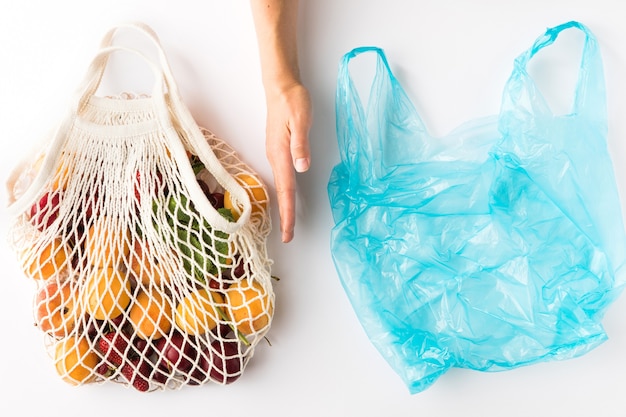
pixel 286 237
pixel 302 164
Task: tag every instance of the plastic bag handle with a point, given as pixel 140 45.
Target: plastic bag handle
pixel 590 90
pixel 361 146
pixel 351 119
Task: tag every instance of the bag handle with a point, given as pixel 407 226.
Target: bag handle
pixel 86 89
pixel 351 119
pixel 164 85
pixel 521 90
pixel 93 77
pixel 363 135
pixel 171 107
pixel 185 123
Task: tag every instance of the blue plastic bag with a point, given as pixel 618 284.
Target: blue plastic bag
pixel 497 246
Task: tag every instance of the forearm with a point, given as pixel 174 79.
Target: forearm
pixel 289 112
pixel 276 25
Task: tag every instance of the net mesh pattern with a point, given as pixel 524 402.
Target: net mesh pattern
pixel 134 285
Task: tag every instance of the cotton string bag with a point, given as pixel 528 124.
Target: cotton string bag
pixel 145 235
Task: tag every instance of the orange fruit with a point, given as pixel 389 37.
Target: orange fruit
pixel 56 307
pixel 249 306
pixel 197 313
pixel 75 360
pixel 107 293
pixel 145 266
pixel 52 259
pixel 256 191
pixel 151 314
pixel 105 244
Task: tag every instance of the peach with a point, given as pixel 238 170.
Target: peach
pixel 249 306
pixel 50 260
pixel 198 312
pixel 256 191
pixel 107 293
pixel 151 314
pixel 75 360
pixel 56 307
pixel 145 266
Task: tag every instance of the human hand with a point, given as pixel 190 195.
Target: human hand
pixel 289 114
pixel 289 119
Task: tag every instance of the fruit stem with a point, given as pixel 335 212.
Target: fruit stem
pixel 224 317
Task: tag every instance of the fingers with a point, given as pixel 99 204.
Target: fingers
pixel 286 195
pixel 300 150
pixel 285 183
pixel 302 164
pixel 299 130
pixel 287 147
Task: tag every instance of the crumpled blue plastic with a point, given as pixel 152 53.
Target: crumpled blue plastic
pixel 499 245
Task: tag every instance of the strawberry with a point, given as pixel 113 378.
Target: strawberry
pixel 135 371
pixel 141 384
pixel 113 345
pixel 105 370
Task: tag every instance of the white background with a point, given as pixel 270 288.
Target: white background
pixel 452 56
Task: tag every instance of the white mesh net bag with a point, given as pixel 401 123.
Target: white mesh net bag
pixel 146 237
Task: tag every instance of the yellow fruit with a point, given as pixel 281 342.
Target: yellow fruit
pixel 151 315
pixel 256 191
pixel 75 360
pixel 52 259
pixel 249 306
pixel 197 313
pixel 105 245
pixel 107 293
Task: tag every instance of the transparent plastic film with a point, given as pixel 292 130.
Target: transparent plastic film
pixel 498 246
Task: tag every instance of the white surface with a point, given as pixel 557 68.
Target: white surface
pixel 452 56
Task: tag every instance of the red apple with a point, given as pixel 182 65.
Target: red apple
pixel 227 361
pixel 44 212
pixel 176 352
pixel 199 373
